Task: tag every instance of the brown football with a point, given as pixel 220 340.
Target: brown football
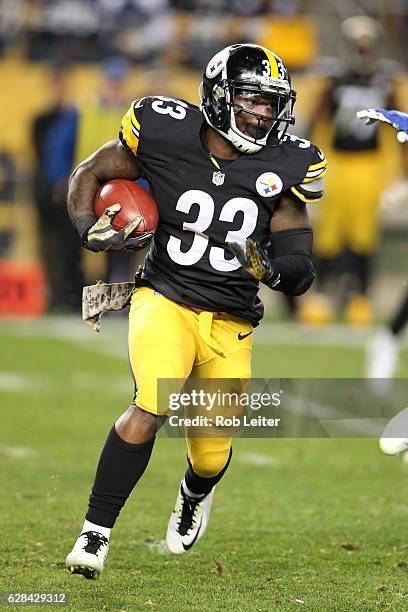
pixel 134 201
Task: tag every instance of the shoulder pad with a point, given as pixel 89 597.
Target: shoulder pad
pixel 129 133
pixel 311 188
pixel 161 107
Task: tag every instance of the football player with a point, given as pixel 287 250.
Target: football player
pixel 347 226
pixel 231 185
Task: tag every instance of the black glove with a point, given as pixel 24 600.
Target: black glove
pixel 255 261
pixel 101 236
pixel 139 242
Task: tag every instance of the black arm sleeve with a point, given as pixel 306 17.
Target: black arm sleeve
pixel 291 257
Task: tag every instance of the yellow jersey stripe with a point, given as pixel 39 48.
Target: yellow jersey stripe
pixel 314 173
pixel 128 133
pixel 302 197
pixel 314 178
pixel 272 62
pixel 133 118
pixel 319 165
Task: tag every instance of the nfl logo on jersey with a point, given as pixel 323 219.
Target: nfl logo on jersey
pixel 218 178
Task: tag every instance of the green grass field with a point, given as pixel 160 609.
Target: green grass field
pixel 296 524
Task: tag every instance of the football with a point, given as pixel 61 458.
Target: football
pixel 134 201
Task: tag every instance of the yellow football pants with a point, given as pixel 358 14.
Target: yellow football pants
pixel 348 217
pixel 170 341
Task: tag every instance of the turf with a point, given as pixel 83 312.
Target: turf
pixel 296 524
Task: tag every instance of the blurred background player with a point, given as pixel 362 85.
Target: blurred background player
pixel 53 135
pixel 347 226
pixel 382 351
pixel 63 135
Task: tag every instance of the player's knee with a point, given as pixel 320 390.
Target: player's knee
pixel 137 426
pixel 210 463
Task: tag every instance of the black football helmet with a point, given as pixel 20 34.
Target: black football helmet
pixel 245 70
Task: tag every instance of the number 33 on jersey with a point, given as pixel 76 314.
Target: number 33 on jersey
pixel 203 208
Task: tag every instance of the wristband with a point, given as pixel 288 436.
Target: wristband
pixel 84 223
pixel 273 280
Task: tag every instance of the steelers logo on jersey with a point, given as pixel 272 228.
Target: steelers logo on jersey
pixel 269 184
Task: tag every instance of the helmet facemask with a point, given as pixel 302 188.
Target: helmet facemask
pixel 280 102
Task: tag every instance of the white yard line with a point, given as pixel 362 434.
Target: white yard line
pixel 112 341
pixel 257 459
pixel 11 381
pixel 16 452
pixel 42 382
pixel 15 381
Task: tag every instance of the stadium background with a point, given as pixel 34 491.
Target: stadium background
pixel 315 524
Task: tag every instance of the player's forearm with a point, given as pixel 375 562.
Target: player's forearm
pixel 296 274
pixel 83 186
pixel 291 252
pixel 111 161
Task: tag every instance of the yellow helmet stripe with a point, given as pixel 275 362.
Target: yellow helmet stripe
pixel 272 62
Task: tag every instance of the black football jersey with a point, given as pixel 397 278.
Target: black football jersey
pixel 203 207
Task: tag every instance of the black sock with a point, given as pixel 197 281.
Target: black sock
pixel 120 466
pixel 199 484
pixel 400 318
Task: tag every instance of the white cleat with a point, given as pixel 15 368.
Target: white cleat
pixel 390 444
pixel 381 360
pixel 88 555
pixel 188 521
pixel 393 446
